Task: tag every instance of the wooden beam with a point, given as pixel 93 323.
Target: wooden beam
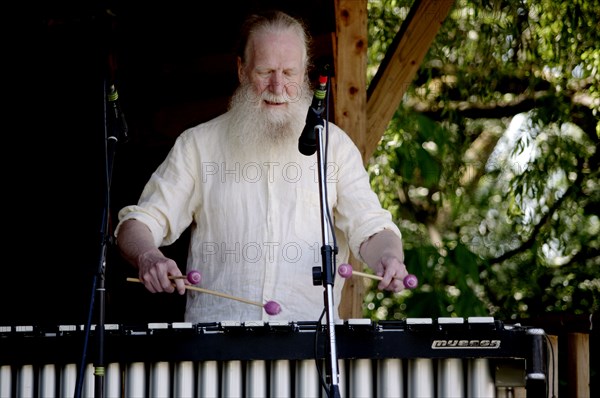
pixel 350 81
pixel 350 96
pixel 401 64
pixel 552 366
pixel 578 364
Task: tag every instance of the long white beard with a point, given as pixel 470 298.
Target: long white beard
pixel 254 126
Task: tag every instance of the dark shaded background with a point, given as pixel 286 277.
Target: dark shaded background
pixel 174 66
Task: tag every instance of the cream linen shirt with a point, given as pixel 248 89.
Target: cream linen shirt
pixel 256 220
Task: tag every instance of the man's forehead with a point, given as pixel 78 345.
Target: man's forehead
pixel 282 44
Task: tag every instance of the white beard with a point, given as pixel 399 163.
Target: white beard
pixel 254 127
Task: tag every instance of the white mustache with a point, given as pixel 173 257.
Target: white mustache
pixel 252 97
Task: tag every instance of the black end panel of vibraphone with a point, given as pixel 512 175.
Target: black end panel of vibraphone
pixel 536 382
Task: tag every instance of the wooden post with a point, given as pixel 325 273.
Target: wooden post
pixel 578 365
pixel 350 93
pixel 552 366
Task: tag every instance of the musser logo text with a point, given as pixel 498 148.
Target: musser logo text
pixel 450 344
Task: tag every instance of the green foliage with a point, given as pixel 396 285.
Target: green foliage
pixel 490 165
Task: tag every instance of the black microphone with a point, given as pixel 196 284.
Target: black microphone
pixel 307 143
pixel 117 121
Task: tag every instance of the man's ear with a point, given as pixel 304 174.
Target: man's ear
pixel 240 69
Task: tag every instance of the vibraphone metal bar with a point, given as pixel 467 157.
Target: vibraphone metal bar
pixel 415 357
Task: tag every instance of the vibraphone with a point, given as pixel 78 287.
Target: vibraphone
pixel 416 357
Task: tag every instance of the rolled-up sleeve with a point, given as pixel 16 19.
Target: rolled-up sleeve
pixel 358 212
pixel 166 205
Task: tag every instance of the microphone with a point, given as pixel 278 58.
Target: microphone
pixel 307 143
pixel 117 121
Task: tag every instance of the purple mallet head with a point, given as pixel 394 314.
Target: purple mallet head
pixel 410 281
pixel 194 277
pixel 345 270
pixel 272 308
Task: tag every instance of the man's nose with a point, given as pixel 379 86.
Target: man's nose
pixel 277 84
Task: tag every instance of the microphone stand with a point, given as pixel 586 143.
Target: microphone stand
pixel 114 127
pixel 326 275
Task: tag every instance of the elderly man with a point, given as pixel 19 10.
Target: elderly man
pixel 252 200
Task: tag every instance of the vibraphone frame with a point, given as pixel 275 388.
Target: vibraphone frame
pixel 415 338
